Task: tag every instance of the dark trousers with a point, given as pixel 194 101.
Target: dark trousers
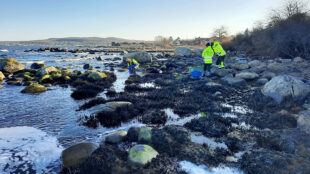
pixel 206 67
pixel 220 59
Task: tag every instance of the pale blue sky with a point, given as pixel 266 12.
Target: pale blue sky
pixel 131 19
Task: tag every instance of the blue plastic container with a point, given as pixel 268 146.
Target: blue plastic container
pixel 196 73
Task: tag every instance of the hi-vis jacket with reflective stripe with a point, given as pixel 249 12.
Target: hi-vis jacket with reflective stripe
pixel 132 62
pixel 207 55
pixel 218 49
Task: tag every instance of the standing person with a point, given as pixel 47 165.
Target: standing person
pixel 132 65
pixel 207 56
pixel 218 49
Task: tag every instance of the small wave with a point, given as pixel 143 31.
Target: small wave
pixel 31 62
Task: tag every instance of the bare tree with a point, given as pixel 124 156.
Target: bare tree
pixel 220 33
pixel 289 9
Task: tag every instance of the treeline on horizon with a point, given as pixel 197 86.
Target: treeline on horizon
pixel 286 34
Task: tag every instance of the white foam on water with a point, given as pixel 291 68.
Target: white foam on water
pixel 31 62
pixel 21 147
pixel 192 168
pixel 200 139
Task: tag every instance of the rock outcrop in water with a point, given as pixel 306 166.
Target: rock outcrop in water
pixel 35 88
pixel 10 65
pixel 2 77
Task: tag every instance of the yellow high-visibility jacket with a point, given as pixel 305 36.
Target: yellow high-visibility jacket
pixel 132 62
pixel 218 49
pixel 207 55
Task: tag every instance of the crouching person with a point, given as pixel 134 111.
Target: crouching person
pixel 132 66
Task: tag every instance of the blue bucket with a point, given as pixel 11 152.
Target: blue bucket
pixel 196 73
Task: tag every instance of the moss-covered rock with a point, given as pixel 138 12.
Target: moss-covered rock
pixel 28 77
pixel 2 77
pixel 145 134
pixel 47 70
pixel 77 154
pixel 96 76
pixel 56 75
pixel 35 88
pixel 66 71
pixel 46 78
pixel 141 154
pixel 116 138
pixel 28 83
pixel 67 78
pixel 10 65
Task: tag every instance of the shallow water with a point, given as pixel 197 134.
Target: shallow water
pixel 50 118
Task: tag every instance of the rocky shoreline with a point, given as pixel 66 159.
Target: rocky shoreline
pixel 257 110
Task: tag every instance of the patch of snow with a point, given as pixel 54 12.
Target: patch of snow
pixel 147 85
pixel 174 119
pixel 171 115
pixel 237 109
pixel 24 149
pixel 244 126
pixel 192 168
pixel 200 139
pixel 230 115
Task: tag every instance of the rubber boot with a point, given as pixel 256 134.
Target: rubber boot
pixel 222 64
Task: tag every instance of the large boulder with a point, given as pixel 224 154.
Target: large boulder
pixel 47 70
pixel 95 76
pixel 285 87
pixel 233 81
pixel 37 65
pixel 108 107
pixel 198 52
pixel 10 65
pixel 141 154
pixel 247 75
pixel 77 154
pixel 116 137
pixel 35 88
pixel 239 66
pixel 277 67
pixel 141 57
pixel 298 60
pixel 221 72
pixel 2 77
pixel 254 63
pixel 182 52
pixel 303 122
